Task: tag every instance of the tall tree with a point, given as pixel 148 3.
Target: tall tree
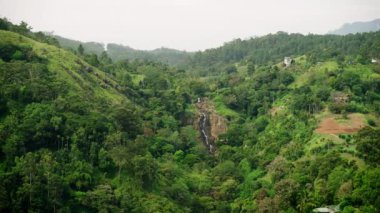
pixel 80 49
pixel 250 68
pixel 120 155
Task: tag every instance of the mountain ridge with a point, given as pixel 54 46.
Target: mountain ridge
pixel 117 52
pixel 357 27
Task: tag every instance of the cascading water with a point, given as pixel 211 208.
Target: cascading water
pixel 209 124
pixel 203 127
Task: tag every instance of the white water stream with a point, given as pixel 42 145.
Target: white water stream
pixel 203 130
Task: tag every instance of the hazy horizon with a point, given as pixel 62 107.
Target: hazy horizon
pixel 189 25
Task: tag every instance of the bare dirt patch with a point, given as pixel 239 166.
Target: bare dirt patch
pixel 276 110
pixel 331 124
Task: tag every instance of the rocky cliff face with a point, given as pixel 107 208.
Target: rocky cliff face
pixel 209 123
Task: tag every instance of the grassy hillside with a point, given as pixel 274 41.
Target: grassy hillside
pixel 79 77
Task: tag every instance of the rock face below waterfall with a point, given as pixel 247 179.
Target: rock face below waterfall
pixel 209 123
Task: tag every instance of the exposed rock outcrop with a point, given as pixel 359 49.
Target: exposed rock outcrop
pixel 209 123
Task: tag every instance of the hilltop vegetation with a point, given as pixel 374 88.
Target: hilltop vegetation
pixel 90 47
pixel 268 49
pixel 163 55
pixel 119 52
pixel 80 132
pixel 272 48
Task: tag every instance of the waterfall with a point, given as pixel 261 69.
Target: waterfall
pixel 206 122
pixel 203 127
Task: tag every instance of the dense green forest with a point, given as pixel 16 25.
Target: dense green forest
pixel 230 129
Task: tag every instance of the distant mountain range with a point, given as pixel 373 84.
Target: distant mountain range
pixel 357 27
pixel 90 47
pixel 177 58
pixel 165 55
pixel 120 52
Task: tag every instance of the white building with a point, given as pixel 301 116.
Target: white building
pixel 327 209
pixel 323 210
pixel 374 60
pixel 288 61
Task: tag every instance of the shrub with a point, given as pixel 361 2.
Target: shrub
pixel 371 122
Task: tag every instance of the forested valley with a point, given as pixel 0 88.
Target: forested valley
pixel 277 123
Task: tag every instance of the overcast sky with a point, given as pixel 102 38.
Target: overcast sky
pixel 184 24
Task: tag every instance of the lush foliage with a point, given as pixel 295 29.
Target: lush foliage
pixel 80 132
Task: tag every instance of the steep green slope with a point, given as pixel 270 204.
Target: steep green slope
pixel 79 77
pixel 68 129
